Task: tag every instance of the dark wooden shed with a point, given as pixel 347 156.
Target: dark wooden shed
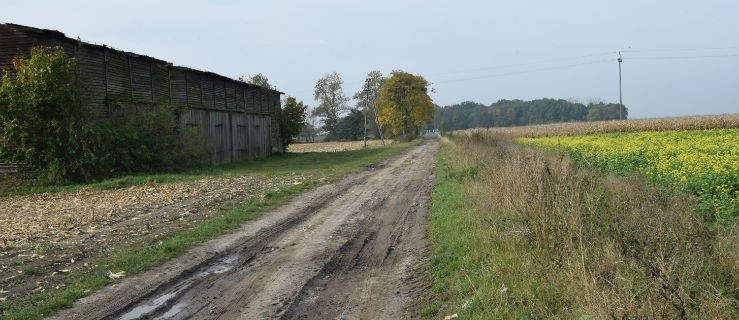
pixel 237 120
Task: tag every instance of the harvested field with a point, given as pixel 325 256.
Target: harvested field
pixel 728 121
pixel 47 237
pixel 352 249
pixel 334 146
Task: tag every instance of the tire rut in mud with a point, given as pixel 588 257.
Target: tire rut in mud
pixel 348 249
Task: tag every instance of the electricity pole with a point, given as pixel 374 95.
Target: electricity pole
pixel 620 95
pixel 366 104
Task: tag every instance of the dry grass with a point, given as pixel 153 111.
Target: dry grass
pixel 729 121
pixel 541 238
pixel 334 146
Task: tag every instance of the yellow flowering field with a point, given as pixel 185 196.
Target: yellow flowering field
pixel 705 162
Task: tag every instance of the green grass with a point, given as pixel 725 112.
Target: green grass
pixel 447 230
pixel 320 167
pixel 521 233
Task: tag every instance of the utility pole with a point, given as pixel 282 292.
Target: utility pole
pixel 620 94
pixel 366 104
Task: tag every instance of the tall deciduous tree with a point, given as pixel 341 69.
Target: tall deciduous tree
pixel 333 101
pixel 404 104
pixel 293 120
pixel 367 97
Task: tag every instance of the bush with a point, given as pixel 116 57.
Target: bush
pixel 292 121
pixel 42 121
pixel 45 126
pixel 148 138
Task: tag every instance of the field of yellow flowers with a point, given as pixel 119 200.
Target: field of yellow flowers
pixel 704 162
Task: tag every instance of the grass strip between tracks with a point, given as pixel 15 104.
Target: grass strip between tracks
pixel 321 167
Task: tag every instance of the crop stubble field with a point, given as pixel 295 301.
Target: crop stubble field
pixel 62 244
pixel 570 231
pixel 334 146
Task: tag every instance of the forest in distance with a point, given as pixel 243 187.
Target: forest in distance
pixel 509 113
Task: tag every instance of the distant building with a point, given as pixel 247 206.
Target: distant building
pixel 237 120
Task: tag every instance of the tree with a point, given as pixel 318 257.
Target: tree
pixel 506 113
pixel 404 103
pixel 367 98
pixel 293 121
pixel 308 133
pixel 333 101
pixel 258 79
pixel 311 129
pixel 602 111
pixel 42 121
pixel 351 127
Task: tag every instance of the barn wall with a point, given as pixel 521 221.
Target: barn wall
pixel 237 121
pixel 229 136
pixel 14 44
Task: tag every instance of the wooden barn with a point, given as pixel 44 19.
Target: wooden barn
pixel 237 120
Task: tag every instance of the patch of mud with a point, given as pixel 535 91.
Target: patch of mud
pixel 348 250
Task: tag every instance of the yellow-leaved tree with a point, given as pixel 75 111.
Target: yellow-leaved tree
pixel 404 104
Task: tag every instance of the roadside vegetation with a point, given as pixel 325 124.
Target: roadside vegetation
pixel 703 162
pixel 315 168
pixel 524 232
pixel 46 128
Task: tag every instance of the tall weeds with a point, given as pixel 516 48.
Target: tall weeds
pixel 547 239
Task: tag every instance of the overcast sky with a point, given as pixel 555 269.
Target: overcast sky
pixel 680 57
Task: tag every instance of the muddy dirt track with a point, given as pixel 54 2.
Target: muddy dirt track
pixel 349 250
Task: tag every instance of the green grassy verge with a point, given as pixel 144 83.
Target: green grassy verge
pixel 520 233
pixel 447 228
pixel 321 167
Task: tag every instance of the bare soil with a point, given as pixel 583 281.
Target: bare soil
pixel 348 250
pixel 46 238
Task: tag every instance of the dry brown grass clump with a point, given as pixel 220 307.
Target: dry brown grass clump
pixel 729 121
pixel 551 240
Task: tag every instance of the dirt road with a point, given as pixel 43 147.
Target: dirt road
pixel 349 250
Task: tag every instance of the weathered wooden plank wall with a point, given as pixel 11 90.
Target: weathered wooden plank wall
pixel 237 121
pixel 89 75
pixel 231 136
pixel 14 43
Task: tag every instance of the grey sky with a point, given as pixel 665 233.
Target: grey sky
pixel 680 57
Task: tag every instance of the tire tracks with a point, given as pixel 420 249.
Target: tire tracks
pixel 360 239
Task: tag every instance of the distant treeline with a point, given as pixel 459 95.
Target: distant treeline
pixel 508 113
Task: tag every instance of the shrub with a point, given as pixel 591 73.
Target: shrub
pixel 44 125
pixel 148 138
pixel 42 121
pixel 293 121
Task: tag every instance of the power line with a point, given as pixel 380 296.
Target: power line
pixel 685 57
pixel 681 49
pixel 606 53
pixel 526 71
pixel 591 55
